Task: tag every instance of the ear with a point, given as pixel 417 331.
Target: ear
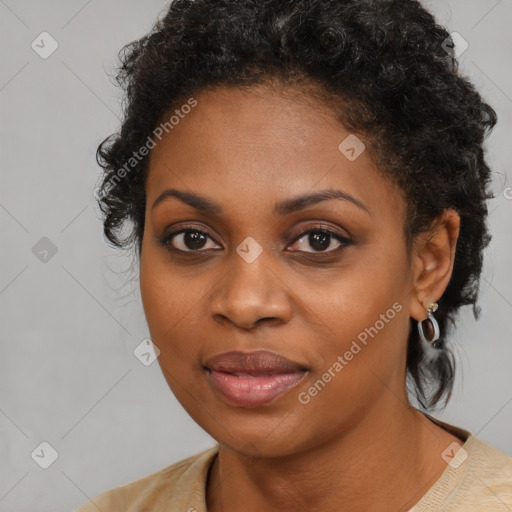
pixel 432 262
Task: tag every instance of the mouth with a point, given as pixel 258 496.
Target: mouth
pixel 253 379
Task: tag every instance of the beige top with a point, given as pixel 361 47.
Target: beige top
pixel 477 478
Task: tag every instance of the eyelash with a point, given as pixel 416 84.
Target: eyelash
pixel 345 242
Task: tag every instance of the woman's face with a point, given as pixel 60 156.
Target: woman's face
pixel 264 275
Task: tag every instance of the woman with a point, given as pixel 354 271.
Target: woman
pixel 307 189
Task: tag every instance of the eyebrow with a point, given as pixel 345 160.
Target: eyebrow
pixel 281 208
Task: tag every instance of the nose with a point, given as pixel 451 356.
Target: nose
pixel 249 294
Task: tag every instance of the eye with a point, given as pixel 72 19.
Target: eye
pixel 187 239
pixel 192 239
pixel 320 239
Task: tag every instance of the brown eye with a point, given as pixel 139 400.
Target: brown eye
pixel 321 241
pixel 187 240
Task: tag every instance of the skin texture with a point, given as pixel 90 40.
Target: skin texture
pixel 246 150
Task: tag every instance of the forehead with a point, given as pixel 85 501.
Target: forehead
pixel 262 142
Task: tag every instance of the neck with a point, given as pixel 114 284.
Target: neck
pixel 386 463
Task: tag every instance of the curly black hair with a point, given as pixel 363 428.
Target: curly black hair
pixel 385 69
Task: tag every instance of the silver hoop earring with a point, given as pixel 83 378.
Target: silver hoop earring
pixel 431 327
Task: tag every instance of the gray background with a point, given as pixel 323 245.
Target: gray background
pixel 69 326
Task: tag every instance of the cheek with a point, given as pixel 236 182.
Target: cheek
pixel 176 310
pixel 162 296
pixel 352 298
pixel 363 351
pixel 363 309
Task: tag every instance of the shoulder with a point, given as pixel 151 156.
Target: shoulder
pixel 478 478
pixel 180 482
pixel 487 481
pixel 489 471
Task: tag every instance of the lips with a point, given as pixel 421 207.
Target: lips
pixel 253 379
pixel 254 363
